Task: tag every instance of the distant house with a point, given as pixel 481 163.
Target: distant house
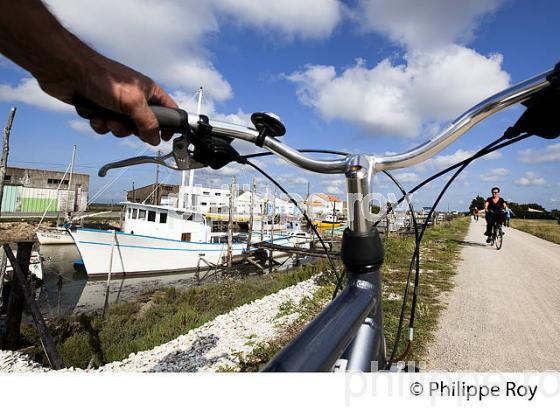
pixel 152 194
pixel 29 191
pixel 323 204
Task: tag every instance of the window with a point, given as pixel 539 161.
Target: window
pixel 186 237
pixel 151 216
pixel 142 214
pixel 204 203
pixel 7 177
pixel 205 192
pixel 129 213
pixel 134 213
pixel 218 194
pixel 55 181
pixel 163 218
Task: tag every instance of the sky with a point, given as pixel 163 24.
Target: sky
pixel 366 76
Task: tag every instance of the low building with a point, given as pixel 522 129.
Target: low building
pixel 32 191
pixel 153 193
pixel 323 204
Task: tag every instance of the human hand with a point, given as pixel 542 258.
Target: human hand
pixel 118 88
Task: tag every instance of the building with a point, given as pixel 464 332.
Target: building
pixel 204 199
pixel 153 193
pixel 323 204
pixel 29 191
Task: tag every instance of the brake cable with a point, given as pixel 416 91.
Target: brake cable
pixel 495 145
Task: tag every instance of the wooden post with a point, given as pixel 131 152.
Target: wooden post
pixel 3 168
pixel 333 219
pixel 16 299
pixel 264 212
pixel 270 254
pixel 230 223
pixel 23 289
pixel 251 214
pixel 108 288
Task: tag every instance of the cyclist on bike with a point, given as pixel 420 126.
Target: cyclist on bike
pixel 475 214
pixel 509 214
pixel 494 207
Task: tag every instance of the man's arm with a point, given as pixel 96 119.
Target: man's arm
pixel 65 67
pixel 486 204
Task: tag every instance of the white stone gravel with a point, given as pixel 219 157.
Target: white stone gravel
pixel 207 348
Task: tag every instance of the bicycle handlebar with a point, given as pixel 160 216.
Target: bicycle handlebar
pixel 177 120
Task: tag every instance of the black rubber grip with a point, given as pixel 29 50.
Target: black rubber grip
pixel 170 119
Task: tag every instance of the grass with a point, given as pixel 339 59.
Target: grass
pixel 546 229
pixel 89 340
pixel 439 255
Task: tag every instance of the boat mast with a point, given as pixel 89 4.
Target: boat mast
pixel 72 163
pixel 191 172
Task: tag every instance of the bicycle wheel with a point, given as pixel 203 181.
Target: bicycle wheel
pixel 499 239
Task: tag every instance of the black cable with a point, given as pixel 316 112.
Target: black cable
pixel 292 200
pixel 462 165
pixel 468 160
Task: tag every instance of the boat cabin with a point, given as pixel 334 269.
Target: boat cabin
pixel 165 222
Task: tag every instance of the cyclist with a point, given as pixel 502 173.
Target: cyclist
pixel 66 67
pixel 475 214
pixel 509 214
pixel 494 207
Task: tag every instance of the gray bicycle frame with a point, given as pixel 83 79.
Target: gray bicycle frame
pixel 350 328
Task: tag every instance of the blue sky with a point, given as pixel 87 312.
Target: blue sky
pixel 363 76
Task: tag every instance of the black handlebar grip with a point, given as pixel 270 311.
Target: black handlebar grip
pixel 170 119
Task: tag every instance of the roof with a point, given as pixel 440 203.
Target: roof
pixel 330 198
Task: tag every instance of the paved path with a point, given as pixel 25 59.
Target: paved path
pixel 504 313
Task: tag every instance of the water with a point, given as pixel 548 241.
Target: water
pixel 67 291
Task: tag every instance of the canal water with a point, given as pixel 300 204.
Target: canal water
pixel 67 290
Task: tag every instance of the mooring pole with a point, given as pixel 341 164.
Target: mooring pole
pixel 3 169
pixel 230 223
pixel 108 288
pixel 23 289
pixel 16 298
pixel 251 214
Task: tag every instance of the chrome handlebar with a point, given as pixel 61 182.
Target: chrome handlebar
pixel 516 94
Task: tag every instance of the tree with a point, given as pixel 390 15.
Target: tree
pixel 477 202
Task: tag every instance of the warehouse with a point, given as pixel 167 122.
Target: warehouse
pixel 32 191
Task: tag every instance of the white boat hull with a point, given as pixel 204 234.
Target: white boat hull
pixel 55 237
pixel 35 265
pixel 141 255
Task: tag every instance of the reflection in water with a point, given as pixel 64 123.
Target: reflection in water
pixel 67 291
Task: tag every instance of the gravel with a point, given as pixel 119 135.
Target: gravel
pixel 208 348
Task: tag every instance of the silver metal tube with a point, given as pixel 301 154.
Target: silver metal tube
pixel 513 95
pixel 358 199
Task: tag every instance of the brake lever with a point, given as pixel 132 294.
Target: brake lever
pixel 182 157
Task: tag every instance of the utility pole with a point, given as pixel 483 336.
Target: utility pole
pixel 230 223
pixel 155 200
pixel 133 193
pixel 3 169
pixel 5 151
pixel 264 211
pixel 270 255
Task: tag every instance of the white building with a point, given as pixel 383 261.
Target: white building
pixel 323 204
pixel 203 199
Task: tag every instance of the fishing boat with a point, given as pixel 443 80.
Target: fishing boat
pixel 158 239
pixel 327 221
pixel 55 236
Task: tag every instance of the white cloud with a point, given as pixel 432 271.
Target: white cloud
pixel 530 179
pixel 494 175
pixel 29 92
pixel 333 189
pixel 427 23
pixel 399 99
pixel 444 161
pixel 550 153
pixel 407 177
pixel 305 19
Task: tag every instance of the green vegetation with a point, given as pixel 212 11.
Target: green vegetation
pixel 135 326
pixel 544 229
pixel 439 255
pixel 88 340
